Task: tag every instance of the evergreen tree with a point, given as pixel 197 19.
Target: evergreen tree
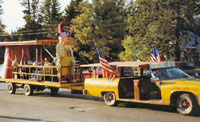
pixel 72 10
pixel 1 12
pixel 1 25
pixel 1 33
pixel 32 27
pixel 101 22
pixel 50 17
pixel 160 23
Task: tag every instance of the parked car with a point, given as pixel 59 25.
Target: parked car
pixel 89 72
pixel 127 72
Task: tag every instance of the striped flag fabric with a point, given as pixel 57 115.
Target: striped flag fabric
pixel 107 70
pixel 155 57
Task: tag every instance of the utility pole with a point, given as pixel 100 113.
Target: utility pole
pixel 29 8
pixel 177 46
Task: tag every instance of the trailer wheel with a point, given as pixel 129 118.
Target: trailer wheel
pixel 28 90
pixel 11 88
pixel 186 104
pixel 110 99
pixel 54 91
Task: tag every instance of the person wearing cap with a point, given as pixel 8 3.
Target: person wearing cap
pixel 64 52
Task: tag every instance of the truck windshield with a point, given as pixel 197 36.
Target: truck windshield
pixel 170 73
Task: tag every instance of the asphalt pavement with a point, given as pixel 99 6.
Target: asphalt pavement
pixel 67 107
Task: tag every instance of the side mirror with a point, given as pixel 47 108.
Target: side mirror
pixel 156 80
pixel 196 75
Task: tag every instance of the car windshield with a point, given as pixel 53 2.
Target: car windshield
pixel 170 73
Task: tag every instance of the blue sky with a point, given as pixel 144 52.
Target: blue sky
pixel 13 16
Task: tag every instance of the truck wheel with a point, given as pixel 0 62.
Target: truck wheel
pixel 11 88
pixel 28 90
pixel 54 91
pixel 110 99
pixel 186 104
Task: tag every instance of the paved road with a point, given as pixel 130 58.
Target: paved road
pixel 78 108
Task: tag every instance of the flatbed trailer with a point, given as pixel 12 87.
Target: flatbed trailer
pixel 37 80
pixel 72 86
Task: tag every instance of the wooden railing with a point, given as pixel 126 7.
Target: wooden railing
pixel 41 73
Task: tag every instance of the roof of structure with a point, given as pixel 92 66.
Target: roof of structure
pixel 29 43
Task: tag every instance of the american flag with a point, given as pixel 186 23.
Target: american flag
pixel 107 71
pixel 155 57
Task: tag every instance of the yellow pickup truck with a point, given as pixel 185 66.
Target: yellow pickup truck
pixel 152 83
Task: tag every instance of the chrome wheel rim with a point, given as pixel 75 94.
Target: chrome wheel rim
pixel 110 98
pixel 10 88
pixel 185 105
pixel 26 89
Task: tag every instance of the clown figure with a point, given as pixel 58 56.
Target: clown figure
pixel 64 53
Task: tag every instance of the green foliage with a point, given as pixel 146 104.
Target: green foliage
pixel 1 25
pixel 30 11
pixel 32 27
pixel 50 16
pixel 101 22
pixel 158 22
pixel 41 20
pixel 128 32
pixel 72 10
pixel 1 11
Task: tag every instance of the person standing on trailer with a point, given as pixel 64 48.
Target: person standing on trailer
pixel 64 53
pixel 23 62
pixel 15 64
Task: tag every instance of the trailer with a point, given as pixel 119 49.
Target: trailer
pixel 34 75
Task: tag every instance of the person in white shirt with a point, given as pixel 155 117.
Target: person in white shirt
pixel 15 64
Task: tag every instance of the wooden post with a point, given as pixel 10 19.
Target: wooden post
pixel 44 73
pixel 136 89
pixel 94 73
pixel 41 56
pixel 141 72
pixel 29 71
pixel 81 70
pixel 37 62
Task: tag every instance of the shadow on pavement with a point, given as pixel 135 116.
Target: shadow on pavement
pixel 20 118
pixel 163 108
pixel 68 94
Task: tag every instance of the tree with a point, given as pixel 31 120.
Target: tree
pixel 160 23
pixel 71 11
pixel 31 9
pixel 1 12
pixel 32 27
pixel 101 22
pixel 2 26
pixel 50 16
pixel 1 33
